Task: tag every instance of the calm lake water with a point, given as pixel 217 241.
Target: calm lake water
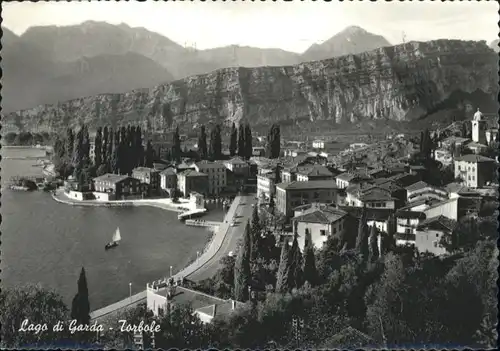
pixel 47 242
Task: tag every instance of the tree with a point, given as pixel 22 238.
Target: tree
pixel 256 235
pixel 373 244
pixel 181 328
pixel 272 204
pixel 115 156
pixel 104 146
pixel 202 144
pixel 283 270
pixel 111 144
pixel 295 274
pixel 176 146
pixel 80 308
pixel 98 147
pixel 248 142
pixel 233 141
pixel 215 151
pixel 310 272
pixel 149 156
pixel 241 140
pixel 362 238
pixel 38 306
pixel 242 268
pixel 273 146
pixel 78 155
pixel 70 144
pixel 139 152
pixel 277 175
pixel 383 313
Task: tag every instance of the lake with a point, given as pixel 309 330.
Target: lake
pixel 46 242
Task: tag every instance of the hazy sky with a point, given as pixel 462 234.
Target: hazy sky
pixel 292 26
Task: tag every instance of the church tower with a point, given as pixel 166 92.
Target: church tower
pixel 478 128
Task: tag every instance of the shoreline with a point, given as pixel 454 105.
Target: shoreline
pixel 116 203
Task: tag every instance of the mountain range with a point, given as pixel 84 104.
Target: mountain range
pixel 406 82
pixel 50 64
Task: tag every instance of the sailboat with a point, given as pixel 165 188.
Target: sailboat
pixel 116 238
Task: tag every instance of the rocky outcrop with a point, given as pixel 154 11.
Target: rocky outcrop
pixel 403 82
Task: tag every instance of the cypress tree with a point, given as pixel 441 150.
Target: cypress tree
pixel 277 175
pixel 78 155
pixel 104 146
pixel 310 271
pixel 98 147
pixel 215 151
pixel 242 268
pixel 115 156
pixel 149 157
pixel 362 238
pixel 86 146
pixel 233 142
pixel 80 307
pixel 176 146
pixel 373 244
pixel 295 273
pixel 202 144
pixel 248 142
pixel 139 148
pixel 256 235
pixel 70 144
pixel 241 141
pixel 111 144
pixel 272 204
pixel 282 275
pixel 273 145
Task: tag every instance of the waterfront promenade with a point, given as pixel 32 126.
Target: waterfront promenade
pixel 224 240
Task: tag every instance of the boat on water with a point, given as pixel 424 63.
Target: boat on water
pixel 116 238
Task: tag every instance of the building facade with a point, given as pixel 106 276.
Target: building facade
pixel 191 180
pixel 217 175
pixel 148 176
pixel 475 171
pixel 294 194
pixel 117 186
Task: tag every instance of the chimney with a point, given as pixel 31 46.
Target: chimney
pixel 233 305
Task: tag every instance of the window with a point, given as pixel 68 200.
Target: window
pixel 408 231
pixel 437 235
pixel 322 232
pixel 435 243
pixel 334 230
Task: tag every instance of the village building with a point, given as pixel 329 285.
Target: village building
pixel 430 232
pixel 346 179
pixel 192 181
pixel 116 187
pixel 315 172
pixel 421 190
pixel 475 171
pixel 369 196
pixel 238 166
pixel 161 300
pixel 168 179
pixel 321 222
pixel 406 226
pixel 266 185
pixel 217 175
pixel 291 195
pixel 444 156
pixel 148 176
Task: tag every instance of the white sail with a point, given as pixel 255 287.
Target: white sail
pixel 117 236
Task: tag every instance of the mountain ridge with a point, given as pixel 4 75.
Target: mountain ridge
pixel 401 83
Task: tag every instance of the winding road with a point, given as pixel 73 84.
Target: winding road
pixel 225 241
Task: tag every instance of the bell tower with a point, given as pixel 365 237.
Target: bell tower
pixel 478 128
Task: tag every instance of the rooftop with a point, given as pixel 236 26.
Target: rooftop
pixel 410 214
pixel 375 194
pixel 315 171
pixel 429 201
pixel 371 213
pixel 313 184
pixel 474 158
pixel 208 164
pixel 110 177
pixel 322 215
pixel 439 222
pixel 192 173
pixel 195 298
pixel 236 161
pixel 144 170
pixel 417 186
pixel 168 171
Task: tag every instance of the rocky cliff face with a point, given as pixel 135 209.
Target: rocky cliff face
pixel 403 82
